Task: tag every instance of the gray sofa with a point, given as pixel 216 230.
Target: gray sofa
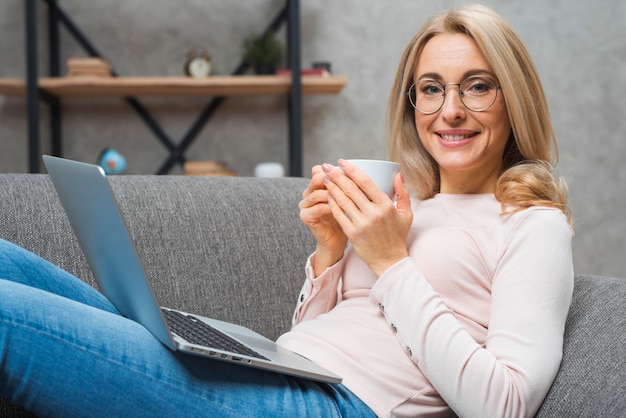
pixel 234 248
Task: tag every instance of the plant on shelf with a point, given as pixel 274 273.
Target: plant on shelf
pixel 263 53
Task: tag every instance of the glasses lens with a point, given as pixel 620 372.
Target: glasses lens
pixel 426 95
pixel 479 93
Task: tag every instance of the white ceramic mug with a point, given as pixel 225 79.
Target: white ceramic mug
pixel 381 172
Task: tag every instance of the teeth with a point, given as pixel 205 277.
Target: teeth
pixel 454 137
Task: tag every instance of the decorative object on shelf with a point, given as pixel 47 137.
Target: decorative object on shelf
pixel 325 65
pixel 263 52
pixel 269 170
pixel 112 162
pixel 207 168
pixel 318 68
pixel 88 66
pixel 198 63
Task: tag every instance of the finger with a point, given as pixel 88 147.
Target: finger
pixel 365 184
pixel 313 214
pixel 340 216
pixel 340 188
pixel 345 191
pixel 316 197
pixel 399 187
pixel 317 169
pixel 403 198
pixel 316 182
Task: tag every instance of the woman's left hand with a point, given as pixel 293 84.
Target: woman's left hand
pixel 376 228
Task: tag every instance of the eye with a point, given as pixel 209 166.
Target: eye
pixel 429 88
pixel 478 86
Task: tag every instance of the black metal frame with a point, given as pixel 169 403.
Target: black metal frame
pixel 56 16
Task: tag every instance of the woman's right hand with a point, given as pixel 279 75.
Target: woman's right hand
pixel 316 215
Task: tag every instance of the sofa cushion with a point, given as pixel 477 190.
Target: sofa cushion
pixel 591 381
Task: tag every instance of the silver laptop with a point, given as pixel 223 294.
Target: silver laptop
pixel 96 220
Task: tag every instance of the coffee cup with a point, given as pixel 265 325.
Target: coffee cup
pixel 381 172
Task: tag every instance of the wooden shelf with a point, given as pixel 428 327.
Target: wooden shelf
pixel 174 86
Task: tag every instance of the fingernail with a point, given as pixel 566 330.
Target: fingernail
pixel 343 162
pixel 327 167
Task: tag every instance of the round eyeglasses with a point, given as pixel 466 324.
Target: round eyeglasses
pixel 478 93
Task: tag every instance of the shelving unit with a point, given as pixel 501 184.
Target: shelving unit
pixel 51 89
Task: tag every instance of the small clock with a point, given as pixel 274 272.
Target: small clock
pixel 198 63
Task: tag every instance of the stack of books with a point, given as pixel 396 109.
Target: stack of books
pixel 207 168
pixel 88 66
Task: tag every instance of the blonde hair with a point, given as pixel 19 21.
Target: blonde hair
pixel 531 151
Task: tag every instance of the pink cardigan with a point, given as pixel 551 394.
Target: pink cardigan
pixel 471 322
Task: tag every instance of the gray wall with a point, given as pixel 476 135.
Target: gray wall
pixel 579 48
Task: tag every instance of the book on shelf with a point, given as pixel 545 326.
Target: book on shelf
pixel 320 72
pixel 88 66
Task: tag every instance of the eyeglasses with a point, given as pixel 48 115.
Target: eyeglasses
pixel 478 93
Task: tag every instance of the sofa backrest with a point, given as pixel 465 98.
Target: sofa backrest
pixel 228 247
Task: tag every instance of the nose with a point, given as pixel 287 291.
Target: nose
pixel 453 108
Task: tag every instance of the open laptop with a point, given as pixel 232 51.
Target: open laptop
pixel 87 198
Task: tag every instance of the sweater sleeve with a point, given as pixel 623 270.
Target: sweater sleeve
pixel 510 374
pixel 319 294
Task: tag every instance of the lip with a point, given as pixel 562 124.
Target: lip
pixel 455 137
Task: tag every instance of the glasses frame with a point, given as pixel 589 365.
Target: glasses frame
pixel 443 95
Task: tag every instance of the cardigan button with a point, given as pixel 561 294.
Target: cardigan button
pixel 381 307
pixel 409 352
pixel 393 327
pixel 302 297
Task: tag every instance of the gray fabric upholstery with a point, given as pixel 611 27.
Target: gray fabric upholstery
pixel 592 379
pixel 234 248
pixel 228 247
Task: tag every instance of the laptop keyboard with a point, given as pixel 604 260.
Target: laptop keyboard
pixel 200 333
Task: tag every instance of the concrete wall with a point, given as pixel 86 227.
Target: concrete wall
pixel 579 48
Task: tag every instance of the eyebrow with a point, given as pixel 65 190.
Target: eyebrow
pixel 468 73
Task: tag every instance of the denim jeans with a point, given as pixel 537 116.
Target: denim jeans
pixel 66 351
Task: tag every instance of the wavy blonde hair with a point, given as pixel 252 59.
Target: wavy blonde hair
pixel 531 152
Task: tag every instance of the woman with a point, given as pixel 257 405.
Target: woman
pixel 471 312
pixel 451 302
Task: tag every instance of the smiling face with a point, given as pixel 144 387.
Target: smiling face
pixel 467 146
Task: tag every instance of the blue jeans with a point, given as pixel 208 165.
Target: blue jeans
pixel 66 351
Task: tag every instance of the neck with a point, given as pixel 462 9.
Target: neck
pixel 468 183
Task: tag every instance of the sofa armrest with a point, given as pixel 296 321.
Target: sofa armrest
pixel 591 381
